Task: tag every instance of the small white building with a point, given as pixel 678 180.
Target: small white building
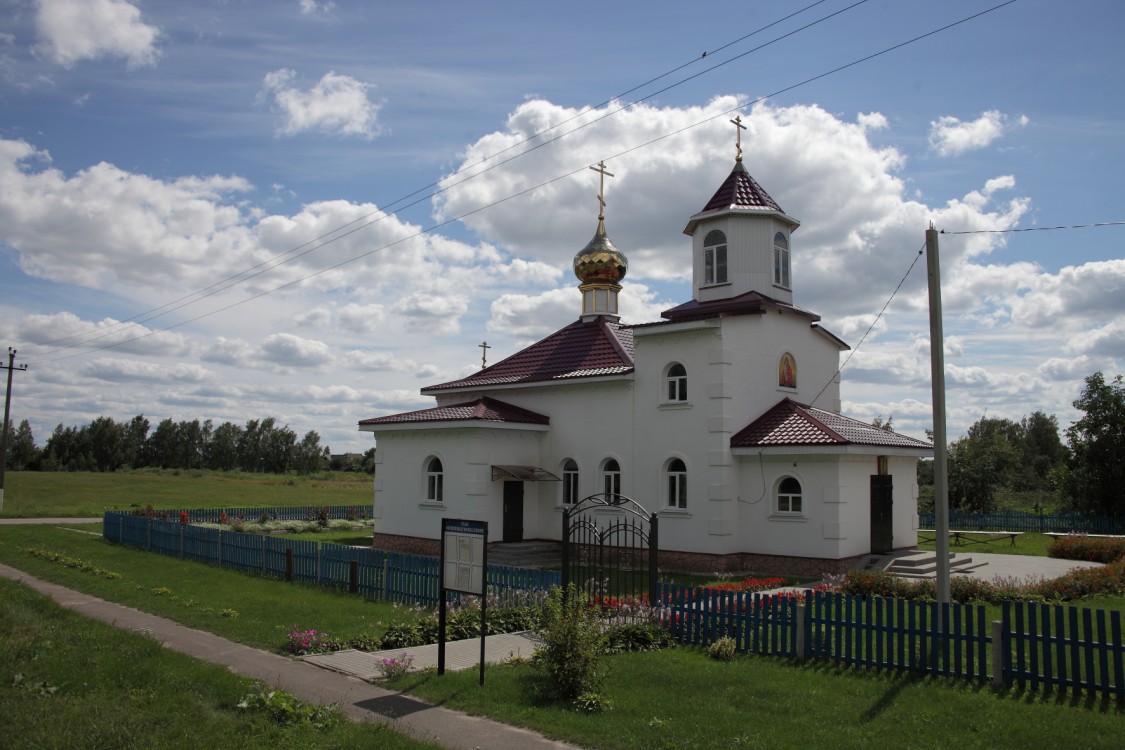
pixel 723 417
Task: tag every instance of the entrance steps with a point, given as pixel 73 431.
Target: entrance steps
pixel 533 554
pixel 914 564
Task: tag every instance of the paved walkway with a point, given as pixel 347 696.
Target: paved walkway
pixel 358 700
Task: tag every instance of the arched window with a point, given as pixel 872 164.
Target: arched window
pixel 677 484
pixel 570 482
pixel 611 477
pixel 435 481
pixel 781 260
pixel 677 383
pixel 789 496
pixel 715 258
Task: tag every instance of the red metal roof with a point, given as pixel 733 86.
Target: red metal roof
pixel 740 190
pixel 749 303
pixel 483 410
pixel 791 424
pixel 581 350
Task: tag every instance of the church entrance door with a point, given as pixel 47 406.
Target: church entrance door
pixel 513 511
pixel 882 518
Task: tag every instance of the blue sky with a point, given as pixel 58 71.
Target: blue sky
pixel 152 149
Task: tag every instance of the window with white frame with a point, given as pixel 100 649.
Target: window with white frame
pixel 435 490
pixel 781 260
pixel 715 258
pixel 611 478
pixel 676 478
pixel 677 383
pixel 789 496
pixel 570 482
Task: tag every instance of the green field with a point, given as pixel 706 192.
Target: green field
pixel 41 494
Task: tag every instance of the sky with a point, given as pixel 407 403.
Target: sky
pixel 234 209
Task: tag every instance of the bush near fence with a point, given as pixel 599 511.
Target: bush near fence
pixel 1033 645
pixel 1019 520
pixel 1089 548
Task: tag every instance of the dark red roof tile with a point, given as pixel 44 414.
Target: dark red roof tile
pixel 791 424
pixel 482 410
pixel 750 303
pixel 740 190
pixel 581 350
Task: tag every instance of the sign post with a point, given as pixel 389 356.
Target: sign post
pixel 464 568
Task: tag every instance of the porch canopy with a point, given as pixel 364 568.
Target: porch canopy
pixel 522 473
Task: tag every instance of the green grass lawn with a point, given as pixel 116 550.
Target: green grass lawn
pixel 681 698
pixel 69 681
pixel 193 593
pixel 1029 543
pixel 31 494
pixel 671 699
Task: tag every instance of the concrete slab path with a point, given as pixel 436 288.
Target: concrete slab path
pixel 358 700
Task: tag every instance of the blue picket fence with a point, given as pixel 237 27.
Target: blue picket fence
pixel 373 573
pixel 759 624
pixel 1034 646
pixel 898 634
pixel 270 513
pixel 1062 522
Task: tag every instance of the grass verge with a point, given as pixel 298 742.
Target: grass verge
pixel 248 609
pixel 68 681
pixel 30 494
pixel 1029 543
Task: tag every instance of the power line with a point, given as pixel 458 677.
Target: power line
pixel 872 326
pixel 246 275
pixel 1038 229
pixel 739 106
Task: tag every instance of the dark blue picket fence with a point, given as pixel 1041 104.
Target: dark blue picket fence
pixel 1034 646
pixel 1062 522
pixel 269 513
pixel 373 573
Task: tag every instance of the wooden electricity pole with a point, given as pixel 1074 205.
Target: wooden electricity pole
pixel 10 367
pixel 941 464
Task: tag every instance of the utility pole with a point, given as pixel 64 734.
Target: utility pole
pixel 937 377
pixel 10 367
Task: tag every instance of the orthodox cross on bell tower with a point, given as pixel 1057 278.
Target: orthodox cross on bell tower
pixel 600 169
pixel 484 347
pixel 739 127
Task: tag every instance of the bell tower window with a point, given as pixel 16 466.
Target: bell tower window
pixel 715 258
pixel 781 260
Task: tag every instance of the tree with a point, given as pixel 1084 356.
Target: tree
pixel 1095 476
pixel 21 447
pixel 106 443
pixel 133 440
pixel 307 454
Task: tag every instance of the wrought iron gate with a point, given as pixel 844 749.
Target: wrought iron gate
pixel 610 548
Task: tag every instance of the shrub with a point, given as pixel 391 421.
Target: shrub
pixel 402 635
pixel 1083 582
pixel 722 649
pixel 638 636
pixel 392 668
pixel 301 642
pixel 570 660
pixel 876 583
pixel 1090 549
pixel 285 710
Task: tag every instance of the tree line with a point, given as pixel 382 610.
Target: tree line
pixel 260 446
pixel 1025 463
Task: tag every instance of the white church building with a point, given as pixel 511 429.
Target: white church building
pixel 722 418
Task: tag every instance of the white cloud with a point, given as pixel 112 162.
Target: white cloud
pixel 436 314
pixel 360 318
pixel 337 104
pixel 293 351
pixel 950 136
pixel 308 7
pixel 136 371
pixel 74 30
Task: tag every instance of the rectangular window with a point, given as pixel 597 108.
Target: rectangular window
pixel 570 487
pixel 677 491
pixel 781 267
pixel 721 264
pixel 709 266
pixel 434 488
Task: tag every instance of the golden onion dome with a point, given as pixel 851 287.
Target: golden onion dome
pixel 600 262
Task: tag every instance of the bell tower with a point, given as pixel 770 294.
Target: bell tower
pixel 740 240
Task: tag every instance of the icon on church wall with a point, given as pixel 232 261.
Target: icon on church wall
pixel 787 371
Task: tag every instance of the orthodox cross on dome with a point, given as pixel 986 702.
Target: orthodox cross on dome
pixel 484 347
pixel 600 169
pixel 739 127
